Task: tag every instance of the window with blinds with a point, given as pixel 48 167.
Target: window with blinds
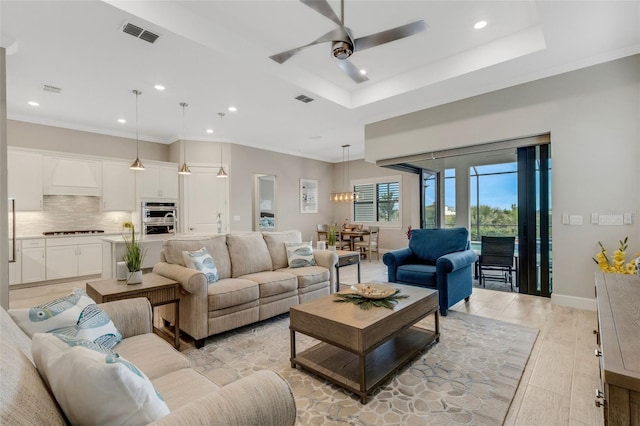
pixel 378 202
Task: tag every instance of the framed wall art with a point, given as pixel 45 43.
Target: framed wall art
pixel 308 196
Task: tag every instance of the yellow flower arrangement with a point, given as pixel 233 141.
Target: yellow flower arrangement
pixel 618 264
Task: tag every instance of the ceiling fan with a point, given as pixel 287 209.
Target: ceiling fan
pixel 344 44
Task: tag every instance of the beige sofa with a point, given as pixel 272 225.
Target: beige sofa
pixel 255 281
pixel 262 398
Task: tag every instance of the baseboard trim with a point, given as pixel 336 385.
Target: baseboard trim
pixel 574 302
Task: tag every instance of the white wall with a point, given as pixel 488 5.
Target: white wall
pixel 593 116
pixel 4 249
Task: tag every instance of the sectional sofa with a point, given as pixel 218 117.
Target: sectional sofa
pixel 254 281
pixel 262 398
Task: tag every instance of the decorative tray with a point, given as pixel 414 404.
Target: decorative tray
pixel 373 291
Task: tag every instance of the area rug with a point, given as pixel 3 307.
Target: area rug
pixel 469 377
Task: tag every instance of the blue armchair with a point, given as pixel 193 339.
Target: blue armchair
pixel 438 259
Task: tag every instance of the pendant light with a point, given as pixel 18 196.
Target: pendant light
pixel 346 196
pixel 184 169
pixel 137 164
pixel 221 172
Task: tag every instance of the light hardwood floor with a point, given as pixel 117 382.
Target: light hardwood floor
pixel 559 380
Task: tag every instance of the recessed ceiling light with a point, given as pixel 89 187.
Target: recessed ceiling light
pixel 121 120
pixel 33 103
pixel 209 130
pixel 232 109
pixel 363 72
pixel 480 25
pixel 159 87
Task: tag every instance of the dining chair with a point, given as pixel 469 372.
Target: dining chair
pixel 321 230
pixel 496 260
pixel 370 245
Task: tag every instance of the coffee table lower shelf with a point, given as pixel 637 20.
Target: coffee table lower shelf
pixel 362 373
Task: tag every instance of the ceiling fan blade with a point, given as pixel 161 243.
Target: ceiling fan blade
pixel 323 8
pixel 337 34
pixel 389 35
pixel 351 70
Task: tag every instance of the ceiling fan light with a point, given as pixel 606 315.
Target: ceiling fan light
pixel 342 50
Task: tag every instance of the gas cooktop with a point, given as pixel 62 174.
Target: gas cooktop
pixel 88 231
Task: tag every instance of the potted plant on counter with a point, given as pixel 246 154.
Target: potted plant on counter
pixel 331 238
pixel 133 255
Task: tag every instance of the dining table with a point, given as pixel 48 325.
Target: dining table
pixel 354 235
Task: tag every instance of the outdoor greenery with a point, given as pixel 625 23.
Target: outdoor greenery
pixel 493 221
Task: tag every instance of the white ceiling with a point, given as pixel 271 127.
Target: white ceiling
pixel 214 54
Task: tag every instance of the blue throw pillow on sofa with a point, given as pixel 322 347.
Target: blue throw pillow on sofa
pixel 430 244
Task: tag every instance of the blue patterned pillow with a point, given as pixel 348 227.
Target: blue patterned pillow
pixel 75 315
pixel 300 254
pixel 202 261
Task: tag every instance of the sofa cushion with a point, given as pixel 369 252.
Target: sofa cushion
pixel 25 399
pixel 276 245
pixel 216 246
pixel 73 315
pixel 273 282
pixel 430 244
pixel 165 359
pixel 96 388
pixel 201 260
pixel 184 386
pixel 232 292
pixel 249 254
pixel 417 274
pixel 300 254
pixel 309 275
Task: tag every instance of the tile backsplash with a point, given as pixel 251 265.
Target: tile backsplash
pixel 69 213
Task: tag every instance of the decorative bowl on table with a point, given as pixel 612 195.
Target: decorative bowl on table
pixel 373 291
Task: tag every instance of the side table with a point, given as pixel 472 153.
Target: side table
pixel 346 258
pixel 157 289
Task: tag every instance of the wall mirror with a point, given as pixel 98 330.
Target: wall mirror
pixel 264 203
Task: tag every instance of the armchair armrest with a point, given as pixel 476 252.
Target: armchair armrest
pixel 395 258
pixel 456 260
pixel 264 398
pixel 130 316
pixel 193 281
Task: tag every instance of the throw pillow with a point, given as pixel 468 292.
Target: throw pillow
pixel 73 315
pixel 201 260
pixel 96 388
pixel 300 254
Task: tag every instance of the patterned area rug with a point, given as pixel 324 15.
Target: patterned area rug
pixel 469 377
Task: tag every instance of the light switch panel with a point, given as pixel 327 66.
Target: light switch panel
pixel 575 219
pixel 594 218
pixel 627 219
pixel 565 219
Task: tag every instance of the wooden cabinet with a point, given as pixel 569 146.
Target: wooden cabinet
pixel 618 298
pixel 159 182
pixel 24 179
pixel 118 187
pixel 33 260
pixel 73 257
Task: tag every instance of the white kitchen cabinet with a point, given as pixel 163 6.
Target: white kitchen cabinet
pixel 118 187
pixel 24 179
pixel 159 182
pixel 15 268
pixel 72 176
pixel 33 260
pixel 69 257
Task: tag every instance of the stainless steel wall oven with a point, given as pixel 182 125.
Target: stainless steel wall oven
pixel 159 218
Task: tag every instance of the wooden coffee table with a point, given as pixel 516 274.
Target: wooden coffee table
pixel 359 349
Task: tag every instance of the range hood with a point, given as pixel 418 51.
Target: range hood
pixel 70 176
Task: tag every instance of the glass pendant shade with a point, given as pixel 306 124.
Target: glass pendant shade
pixel 184 169
pixel 222 173
pixel 137 164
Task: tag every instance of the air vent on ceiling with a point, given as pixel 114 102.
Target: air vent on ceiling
pixel 52 89
pixel 140 33
pixel 304 98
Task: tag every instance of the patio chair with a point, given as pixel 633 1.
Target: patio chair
pixel 496 260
